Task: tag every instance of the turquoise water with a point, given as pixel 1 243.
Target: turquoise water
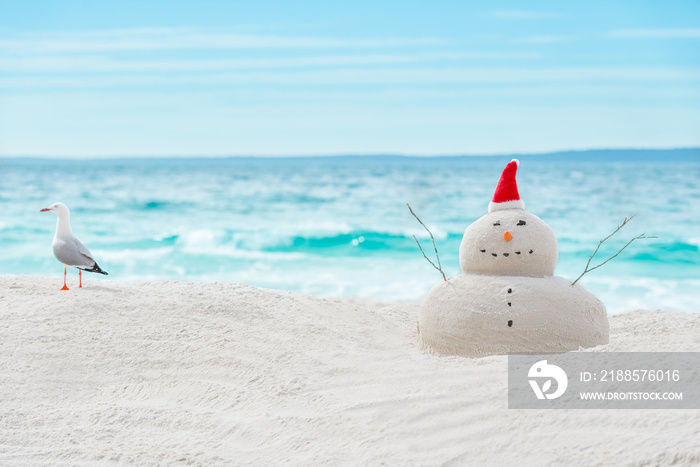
pixel 340 226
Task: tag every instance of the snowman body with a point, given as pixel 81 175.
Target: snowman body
pixel 507 299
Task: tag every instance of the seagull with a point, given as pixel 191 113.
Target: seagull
pixel 69 250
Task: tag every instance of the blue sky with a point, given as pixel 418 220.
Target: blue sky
pixel 157 78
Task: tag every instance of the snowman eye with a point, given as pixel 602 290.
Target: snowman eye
pixel 496 223
pixel 521 223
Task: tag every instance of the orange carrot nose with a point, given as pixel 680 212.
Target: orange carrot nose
pixel 507 236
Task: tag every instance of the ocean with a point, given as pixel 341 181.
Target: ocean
pixel 340 227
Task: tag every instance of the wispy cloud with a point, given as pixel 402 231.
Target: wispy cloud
pixel 80 64
pixel 169 39
pixel 546 39
pixel 675 33
pixel 339 77
pixel 526 14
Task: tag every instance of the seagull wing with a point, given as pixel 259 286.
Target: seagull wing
pixel 82 249
pixel 85 254
pixel 71 252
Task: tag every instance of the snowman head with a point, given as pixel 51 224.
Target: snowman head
pixel 508 241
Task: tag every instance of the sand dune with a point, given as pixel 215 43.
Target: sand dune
pixel 227 374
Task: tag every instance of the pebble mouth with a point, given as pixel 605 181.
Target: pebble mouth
pixel 510 323
pixel 495 255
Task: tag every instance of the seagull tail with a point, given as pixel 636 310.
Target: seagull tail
pixel 95 268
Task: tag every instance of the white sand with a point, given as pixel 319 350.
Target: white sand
pixel 211 374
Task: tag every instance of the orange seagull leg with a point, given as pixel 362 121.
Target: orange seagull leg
pixel 65 287
pixel 80 274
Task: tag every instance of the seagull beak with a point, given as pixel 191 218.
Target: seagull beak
pixel 44 210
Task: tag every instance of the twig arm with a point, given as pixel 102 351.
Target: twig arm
pixel 424 256
pixel 439 266
pixel 600 243
pixel 587 269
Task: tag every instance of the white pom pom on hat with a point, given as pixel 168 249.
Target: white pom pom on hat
pixel 506 195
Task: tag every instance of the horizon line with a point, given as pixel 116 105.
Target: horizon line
pixel 342 155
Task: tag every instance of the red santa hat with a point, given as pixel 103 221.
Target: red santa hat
pixel 506 195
